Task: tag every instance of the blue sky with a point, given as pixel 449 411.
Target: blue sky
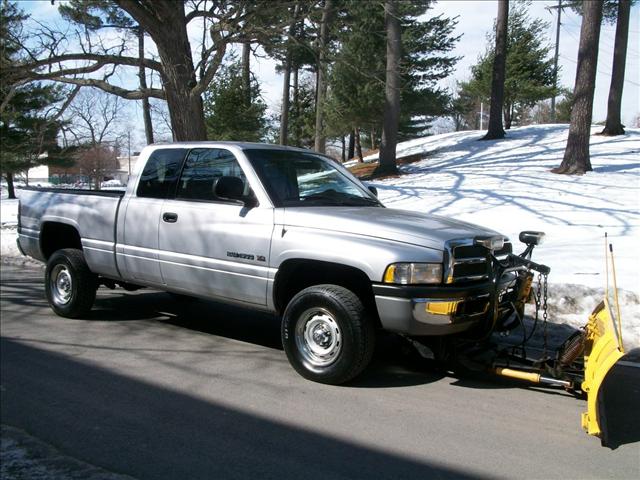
pixel 475 20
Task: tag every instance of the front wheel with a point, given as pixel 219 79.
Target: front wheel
pixel 327 335
pixel 69 285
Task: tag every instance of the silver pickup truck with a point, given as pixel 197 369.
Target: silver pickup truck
pixel 279 229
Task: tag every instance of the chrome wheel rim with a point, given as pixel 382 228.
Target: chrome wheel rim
pixel 318 337
pixel 61 285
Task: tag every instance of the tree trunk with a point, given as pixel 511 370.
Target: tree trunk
pixel 166 23
pixel 10 187
pixel 373 139
pixel 286 84
pixel 296 107
pixel 358 145
pixel 576 155
pixel 185 109
pixel 352 144
pixel 391 118
pixel 321 87
pixel 284 112
pixel 613 125
pixel 146 108
pixel 508 115
pixel 344 149
pixel 246 73
pixel 496 130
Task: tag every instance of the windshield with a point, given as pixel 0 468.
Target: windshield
pixel 305 179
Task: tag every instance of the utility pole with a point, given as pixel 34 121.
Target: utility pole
pixel 555 59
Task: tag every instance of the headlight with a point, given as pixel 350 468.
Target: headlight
pixel 413 273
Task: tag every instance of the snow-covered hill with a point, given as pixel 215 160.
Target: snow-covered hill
pixel 506 185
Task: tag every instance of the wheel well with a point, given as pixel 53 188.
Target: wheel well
pixel 296 275
pixel 55 236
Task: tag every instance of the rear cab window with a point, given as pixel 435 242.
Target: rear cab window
pixel 202 170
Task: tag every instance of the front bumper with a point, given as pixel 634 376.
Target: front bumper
pixel 440 310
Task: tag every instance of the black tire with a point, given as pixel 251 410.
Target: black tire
pixel 327 335
pixel 69 285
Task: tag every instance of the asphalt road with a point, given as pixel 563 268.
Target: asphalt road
pixel 152 388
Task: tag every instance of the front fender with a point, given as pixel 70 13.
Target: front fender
pixel 369 254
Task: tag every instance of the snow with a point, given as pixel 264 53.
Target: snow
pixel 506 185
pixel 9 252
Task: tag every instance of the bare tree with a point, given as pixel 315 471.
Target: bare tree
pixel 613 125
pixel 84 58
pixel 391 118
pixel 94 123
pixel 496 130
pixel 94 118
pixel 576 155
pixel 97 162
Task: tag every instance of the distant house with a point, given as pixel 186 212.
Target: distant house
pixel 36 175
pixel 126 165
pixel 44 174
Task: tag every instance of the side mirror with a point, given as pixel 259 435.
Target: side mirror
pixel 229 188
pixel 531 238
pixel 373 190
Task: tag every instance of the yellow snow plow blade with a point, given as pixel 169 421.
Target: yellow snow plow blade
pixel 603 349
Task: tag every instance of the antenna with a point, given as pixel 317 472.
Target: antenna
pixel 615 289
pixel 606 266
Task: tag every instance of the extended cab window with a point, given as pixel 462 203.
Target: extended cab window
pixel 161 172
pixel 202 170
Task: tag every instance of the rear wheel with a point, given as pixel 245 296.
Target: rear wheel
pixel 70 286
pixel 327 335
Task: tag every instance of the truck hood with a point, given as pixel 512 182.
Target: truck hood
pixel 422 229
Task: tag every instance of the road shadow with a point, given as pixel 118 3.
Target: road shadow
pixel 393 364
pixel 134 427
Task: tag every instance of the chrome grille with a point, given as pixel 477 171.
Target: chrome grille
pixel 467 262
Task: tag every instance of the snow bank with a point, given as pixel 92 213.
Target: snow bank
pixel 9 252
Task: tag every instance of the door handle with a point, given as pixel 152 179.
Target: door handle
pixel 170 217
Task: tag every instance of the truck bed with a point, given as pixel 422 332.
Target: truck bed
pixel 91 213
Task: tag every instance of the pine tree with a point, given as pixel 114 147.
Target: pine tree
pixel 28 135
pixel 302 116
pixel 227 115
pixel 576 155
pixel 356 99
pixel 427 46
pixel 528 70
pixel 357 83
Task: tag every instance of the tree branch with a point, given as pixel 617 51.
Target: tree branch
pixel 100 58
pixel 109 88
pixel 213 64
pixel 142 15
